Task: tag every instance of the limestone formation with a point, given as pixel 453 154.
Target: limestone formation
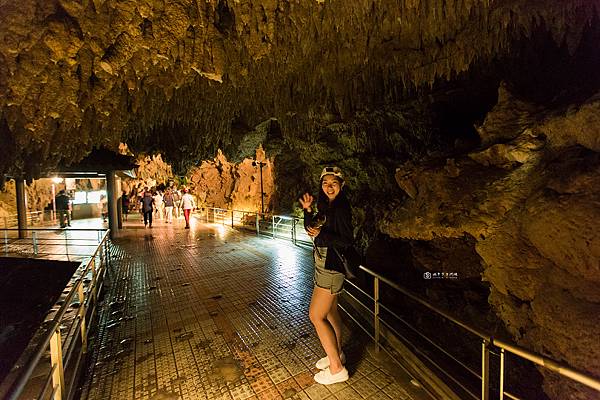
pixel 38 194
pixel 180 76
pixel 223 184
pixel 532 204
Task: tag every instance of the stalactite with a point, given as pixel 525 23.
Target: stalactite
pixel 412 43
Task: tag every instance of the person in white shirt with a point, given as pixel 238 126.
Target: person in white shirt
pixel 159 205
pixel 188 205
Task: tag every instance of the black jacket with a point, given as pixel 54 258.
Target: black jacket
pixel 337 232
pixel 62 202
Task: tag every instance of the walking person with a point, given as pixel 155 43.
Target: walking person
pixel 332 232
pixel 169 203
pixel 125 205
pixel 140 202
pixel 147 207
pixel 62 206
pixel 159 205
pixel 188 205
pixel 104 207
pixel 177 202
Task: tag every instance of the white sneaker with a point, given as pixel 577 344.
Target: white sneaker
pixel 327 378
pixel 324 362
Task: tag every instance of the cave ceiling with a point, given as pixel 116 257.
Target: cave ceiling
pixel 186 77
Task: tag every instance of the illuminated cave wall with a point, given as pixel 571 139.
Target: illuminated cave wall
pixel 223 184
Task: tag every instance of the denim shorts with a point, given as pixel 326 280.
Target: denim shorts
pixel 326 279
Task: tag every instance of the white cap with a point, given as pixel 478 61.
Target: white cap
pixel 335 171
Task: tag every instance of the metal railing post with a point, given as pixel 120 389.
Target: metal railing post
pixel 376 314
pixel 485 370
pixel 93 292
pixel 294 231
pixel 214 215
pixel 34 243
pixel 502 367
pixel 257 225
pixel 66 244
pixel 273 226
pixel 56 359
pixel 81 295
pixel 232 218
pixel 106 254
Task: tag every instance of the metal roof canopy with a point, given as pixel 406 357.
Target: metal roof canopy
pixel 99 162
pixel 102 164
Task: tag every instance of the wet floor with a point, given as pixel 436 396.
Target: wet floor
pixel 212 313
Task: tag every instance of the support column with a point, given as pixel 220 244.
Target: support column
pixel 111 194
pixel 120 212
pixel 119 194
pixel 21 208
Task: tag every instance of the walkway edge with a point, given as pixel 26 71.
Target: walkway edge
pixel 409 360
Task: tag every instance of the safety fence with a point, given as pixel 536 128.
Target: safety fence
pixel 275 226
pixel 50 365
pixel 34 218
pixel 495 353
pixel 50 243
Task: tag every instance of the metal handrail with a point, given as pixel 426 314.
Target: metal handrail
pixel 487 341
pixel 32 243
pixel 51 329
pixel 264 223
pixel 444 314
pixel 32 217
pixel 550 364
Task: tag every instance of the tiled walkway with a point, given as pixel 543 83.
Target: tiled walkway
pixel 211 313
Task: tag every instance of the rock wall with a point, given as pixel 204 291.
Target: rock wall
pixel 38 193
pixel 532 203
pixel 224 184
pixel 152 171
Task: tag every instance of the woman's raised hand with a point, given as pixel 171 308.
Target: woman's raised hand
pixel 306 201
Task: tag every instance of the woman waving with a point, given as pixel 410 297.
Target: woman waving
pixel 332 232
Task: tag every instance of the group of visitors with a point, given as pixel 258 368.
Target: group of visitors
pixel 163 204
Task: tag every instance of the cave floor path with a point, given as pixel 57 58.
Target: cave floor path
pixel 214 313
